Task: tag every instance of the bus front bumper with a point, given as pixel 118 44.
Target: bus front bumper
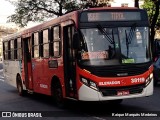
pixel 88 94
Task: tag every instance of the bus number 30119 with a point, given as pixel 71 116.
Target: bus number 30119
pixel 137 80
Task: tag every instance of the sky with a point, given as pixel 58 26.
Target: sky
pixel 6 9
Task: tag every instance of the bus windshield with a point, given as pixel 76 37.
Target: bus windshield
pixel 114 46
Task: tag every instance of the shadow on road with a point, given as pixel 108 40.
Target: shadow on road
pixel 88 108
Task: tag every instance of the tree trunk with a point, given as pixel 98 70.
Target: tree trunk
pixel 136 3
pixel 153 24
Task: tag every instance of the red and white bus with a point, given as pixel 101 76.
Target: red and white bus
pixel 98 54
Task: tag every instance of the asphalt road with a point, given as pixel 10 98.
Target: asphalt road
pixel 10 101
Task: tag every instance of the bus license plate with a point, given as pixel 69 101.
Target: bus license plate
pixel 123 92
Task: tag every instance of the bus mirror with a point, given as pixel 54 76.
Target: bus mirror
pixel 75 40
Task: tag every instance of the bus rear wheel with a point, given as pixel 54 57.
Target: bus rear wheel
pixel 21 92
pixel 58 95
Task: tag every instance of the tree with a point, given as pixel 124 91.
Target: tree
pixel 4 31
pixel 39 10
pixel 7 30
pixel 136 3
pixel 152 7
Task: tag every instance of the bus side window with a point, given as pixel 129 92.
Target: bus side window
pixel 9 50
pixel 45 43
pixel 15 49
pixel 12 49
pixel 19 48
pixel 3 51
pixel 35 45
pixel 6 50
pixel 55 42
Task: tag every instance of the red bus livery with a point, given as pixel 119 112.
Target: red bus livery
pixel 97 54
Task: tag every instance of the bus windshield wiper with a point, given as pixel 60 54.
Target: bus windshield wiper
pixel 127 43
pixel 129 37
pixel 103 31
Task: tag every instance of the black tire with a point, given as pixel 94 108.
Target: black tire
pixel 58 95
pixel 155 81
pixel 21 92
pixel 116 102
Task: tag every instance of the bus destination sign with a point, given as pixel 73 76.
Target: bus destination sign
pixel 110 16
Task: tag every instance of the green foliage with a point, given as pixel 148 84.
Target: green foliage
pixel 150 7
pixel 39 10
pixel 70 6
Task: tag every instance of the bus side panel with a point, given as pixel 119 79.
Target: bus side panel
pixel 37 71
pixel 49 73
pixel 42 75
pixel 10 71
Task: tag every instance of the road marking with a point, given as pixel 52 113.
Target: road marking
pixel 2 80
pixel 1 77
pixel 96 117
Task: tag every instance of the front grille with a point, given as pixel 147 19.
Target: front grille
pixel 112 91
pixel 113 71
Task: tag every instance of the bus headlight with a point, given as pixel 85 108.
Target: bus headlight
pixel 89 83
pixel 151 76
pixel 148 80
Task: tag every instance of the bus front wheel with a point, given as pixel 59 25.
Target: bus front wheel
pixel 58 95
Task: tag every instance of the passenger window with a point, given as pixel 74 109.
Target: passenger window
pixel 12 49
pixel 56 42
pixel 19 48
pixel 35 45
pixel 45 43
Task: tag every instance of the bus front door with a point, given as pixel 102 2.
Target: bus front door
pixel 27 69
pixel 69 62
